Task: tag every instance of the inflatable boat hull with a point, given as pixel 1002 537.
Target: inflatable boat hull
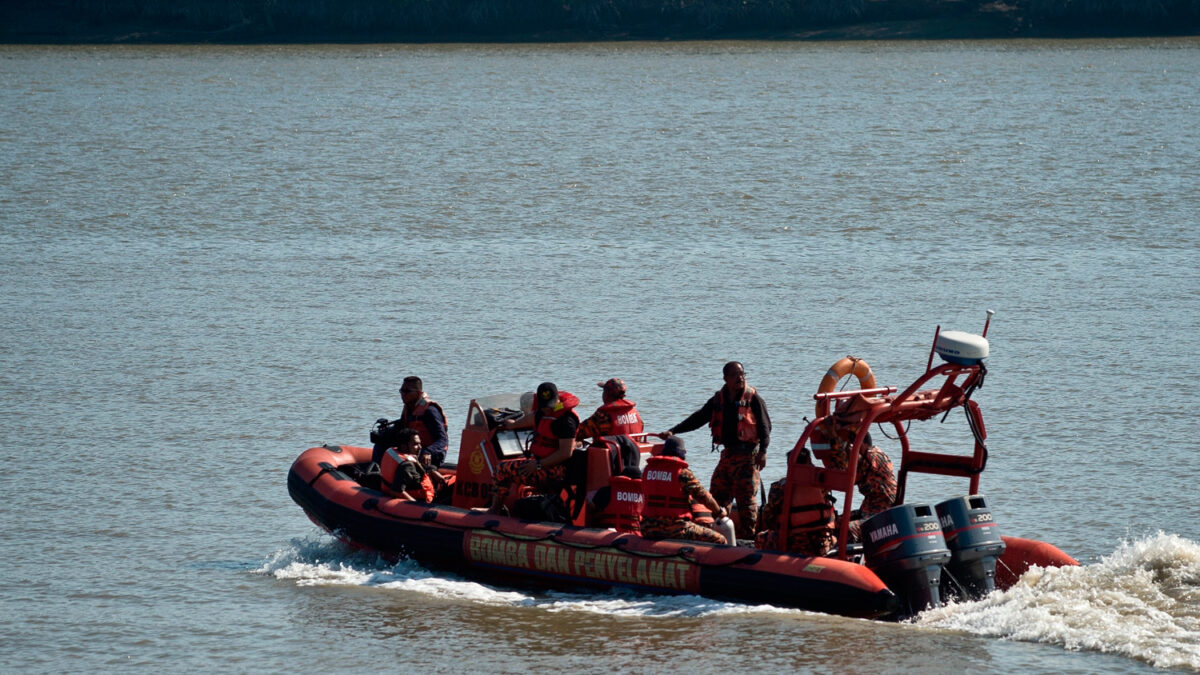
pixel 480 544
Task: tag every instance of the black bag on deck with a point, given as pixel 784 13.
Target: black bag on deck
pixel 623 452
pixel 541 507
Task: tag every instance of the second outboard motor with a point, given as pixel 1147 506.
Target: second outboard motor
pixel 975 544
pixel 905 548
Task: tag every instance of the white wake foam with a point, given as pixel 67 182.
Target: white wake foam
pixel 326 562
pixel 1142 601
pixel 323 562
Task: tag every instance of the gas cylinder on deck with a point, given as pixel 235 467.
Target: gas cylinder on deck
pixel 724 526
pixel 975 544
pixel 905 548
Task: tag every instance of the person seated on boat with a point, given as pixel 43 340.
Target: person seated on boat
pixel 619 504
pixel 874 477
pixel 617 416
pixel 812 529
pixel 555 423
pixel 737 417
pixel 420 413
pixel 669 487
pixel 402 474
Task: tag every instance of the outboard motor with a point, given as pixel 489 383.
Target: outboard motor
pixel 975 544
pixel 905 548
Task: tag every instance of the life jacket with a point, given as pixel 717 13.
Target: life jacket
pixel 663 492
pixel 701 514
pixel 624 508
pixel 805 506
pixel 747 424
pixel 415 419
pixel 810 510
pixel 544 442
pixel 392 484
pixel 624 416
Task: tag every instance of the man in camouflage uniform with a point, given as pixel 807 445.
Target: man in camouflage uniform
pixel 875 479
pixel 738 418
pixel 690 488
pixel 618 415
pixel 555 424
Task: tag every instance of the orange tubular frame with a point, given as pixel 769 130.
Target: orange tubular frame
pixel 877 405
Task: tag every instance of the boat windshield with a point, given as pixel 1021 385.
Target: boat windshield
pixel 494 407
pixel 500 401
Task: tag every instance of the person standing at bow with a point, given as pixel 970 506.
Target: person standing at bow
pixel 737 417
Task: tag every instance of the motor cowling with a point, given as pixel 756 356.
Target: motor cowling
pixel 905 548
pixel 975 545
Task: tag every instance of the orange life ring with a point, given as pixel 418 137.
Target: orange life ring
pixel 844 367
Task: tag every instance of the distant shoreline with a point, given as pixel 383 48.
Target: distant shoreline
pixel 442 21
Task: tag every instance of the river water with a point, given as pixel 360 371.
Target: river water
pixel 216 257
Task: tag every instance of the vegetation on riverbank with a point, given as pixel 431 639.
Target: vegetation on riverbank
pixel 102 21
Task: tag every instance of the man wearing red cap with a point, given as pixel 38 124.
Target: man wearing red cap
pixel 618 416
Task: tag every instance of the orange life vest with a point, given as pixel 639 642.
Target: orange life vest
pixel 809 509
pixel 663 492
pixel 805 507
pixel 390 466
pixel 701 514
pixel 624 416
pixel 747 423
pixel 544 442
pixel 624 508
pixel 414 419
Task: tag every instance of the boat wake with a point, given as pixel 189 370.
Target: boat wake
pixel 1142 601
pixel 327 562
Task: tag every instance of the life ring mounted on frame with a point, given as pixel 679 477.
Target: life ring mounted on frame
pixel 851 365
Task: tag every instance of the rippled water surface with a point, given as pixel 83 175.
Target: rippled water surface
pixel 216 257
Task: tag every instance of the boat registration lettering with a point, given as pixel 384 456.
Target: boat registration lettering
pixel 623 568
pixel 471 489
pixel 496 549
pixel 610 566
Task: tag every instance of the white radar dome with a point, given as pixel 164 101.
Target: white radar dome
pixel 962 348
